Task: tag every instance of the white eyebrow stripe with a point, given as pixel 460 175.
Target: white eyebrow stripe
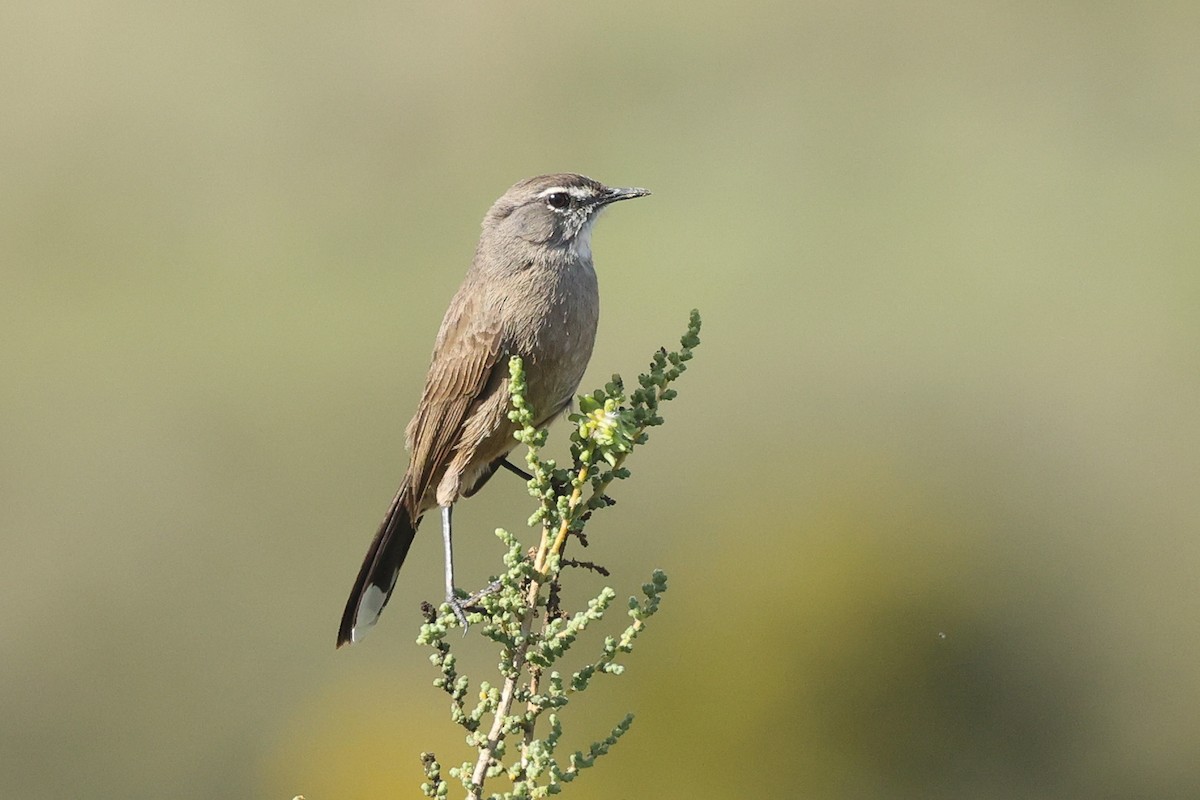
pixel 578 192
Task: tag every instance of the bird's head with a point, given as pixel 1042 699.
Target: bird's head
pixel 554 210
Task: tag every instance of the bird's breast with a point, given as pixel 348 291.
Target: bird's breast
pixel 554 334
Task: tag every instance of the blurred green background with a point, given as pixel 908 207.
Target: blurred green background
pixel 929 496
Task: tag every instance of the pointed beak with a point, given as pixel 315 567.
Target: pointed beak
pixel 613 194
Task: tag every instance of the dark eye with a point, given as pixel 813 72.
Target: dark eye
pixel 559 200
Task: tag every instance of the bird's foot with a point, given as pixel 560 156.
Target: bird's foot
pixel 460 611
pixel 490 589
pixel 459 606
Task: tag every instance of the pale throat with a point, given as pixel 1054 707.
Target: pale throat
pixel 581 246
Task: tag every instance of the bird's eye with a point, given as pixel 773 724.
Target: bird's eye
pixel 559 200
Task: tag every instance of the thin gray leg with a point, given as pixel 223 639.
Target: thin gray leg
pixel 448 544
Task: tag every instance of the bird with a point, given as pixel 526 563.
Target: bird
pixel 531 291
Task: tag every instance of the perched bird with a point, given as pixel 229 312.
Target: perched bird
pixel 531 292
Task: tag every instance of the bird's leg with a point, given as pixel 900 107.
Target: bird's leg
pixel 558 486
pixel 514 469
pixel 451 595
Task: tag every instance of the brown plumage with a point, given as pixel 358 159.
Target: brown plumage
pixel 531 291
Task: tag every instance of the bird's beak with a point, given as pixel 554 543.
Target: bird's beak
pixel 614 193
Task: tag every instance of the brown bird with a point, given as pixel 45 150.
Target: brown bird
pixel 531 292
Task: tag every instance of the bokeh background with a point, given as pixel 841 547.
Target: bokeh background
pixel 929 497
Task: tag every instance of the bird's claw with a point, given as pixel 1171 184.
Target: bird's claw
pixel 460 606
pixel 474 599
pixel 460 612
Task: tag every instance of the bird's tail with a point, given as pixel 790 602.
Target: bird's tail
pixel 377 576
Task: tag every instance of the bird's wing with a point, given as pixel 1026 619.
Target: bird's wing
pixel 465 359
